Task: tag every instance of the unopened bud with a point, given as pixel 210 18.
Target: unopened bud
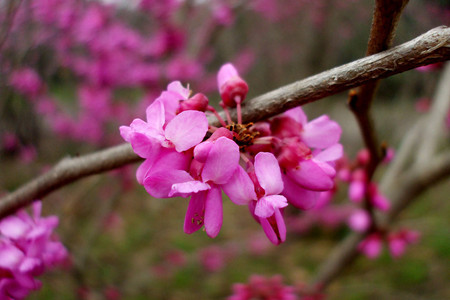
pixel 197 102
pixel 233 89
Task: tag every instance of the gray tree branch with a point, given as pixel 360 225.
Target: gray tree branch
pixel 431 47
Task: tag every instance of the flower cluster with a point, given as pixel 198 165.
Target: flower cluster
pixel 264 165
pixel 397 242
pixel 260 287
pixel 27 248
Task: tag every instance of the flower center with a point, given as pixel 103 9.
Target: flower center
pixel 242 135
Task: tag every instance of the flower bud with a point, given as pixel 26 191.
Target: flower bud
pixel 232 88
pixel 197 102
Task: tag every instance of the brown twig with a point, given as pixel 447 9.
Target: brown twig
pixel 384 23
pixel 431 47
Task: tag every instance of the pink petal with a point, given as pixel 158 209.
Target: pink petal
pixel 265 207
pixel 155 115
pixel 280 225
pixel 240 188
pixel 171 102
pixel 177 87
pixel 11 256
pixel 297 114
pixel 187 129
pixel 159 184
pixel 330 154
pixel 201 151
pixel 195 213
pixel 142 170
pixel 14 227
pixel 268 173
pixel 223 159
pixel 188 187
pixel 298 196
pixel 213 212
pixel 310 176
pixel 142 145
pixel 321 132
pixel 269 231
pixel 276 229
pixel 125 132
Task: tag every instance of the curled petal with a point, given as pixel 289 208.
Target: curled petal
pixel 275 229
pixel 142 145
pixel 142 170
pixel 265 207
pixel 330 154
pixel 268 173
pixel 195 213
pixel 298 196
pixel 177 87
pixel 188 187
pixel 310 176
pixel 213 211
pixel 159 184
pixel 187 129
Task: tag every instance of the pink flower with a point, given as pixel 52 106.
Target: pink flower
pixel 261 191
pixel 27 248
pixel 183 132
pixel 259 287
pixel 27 82
pixel 371 246
pixel 359 221
pixel 398 241
pixel 214 163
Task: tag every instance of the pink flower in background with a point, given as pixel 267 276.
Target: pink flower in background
pixel 213 258
pixel 260 287
pixel 27 82
pixel 27 248
pixel 371 246
pixel 359 221
pixel 398 241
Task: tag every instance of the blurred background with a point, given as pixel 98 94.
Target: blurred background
pixel 73 71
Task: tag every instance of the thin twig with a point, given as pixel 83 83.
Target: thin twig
pixel 384 23
pixel 431 47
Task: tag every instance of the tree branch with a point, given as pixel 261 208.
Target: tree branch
pixel 431 47
pixel 384 23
